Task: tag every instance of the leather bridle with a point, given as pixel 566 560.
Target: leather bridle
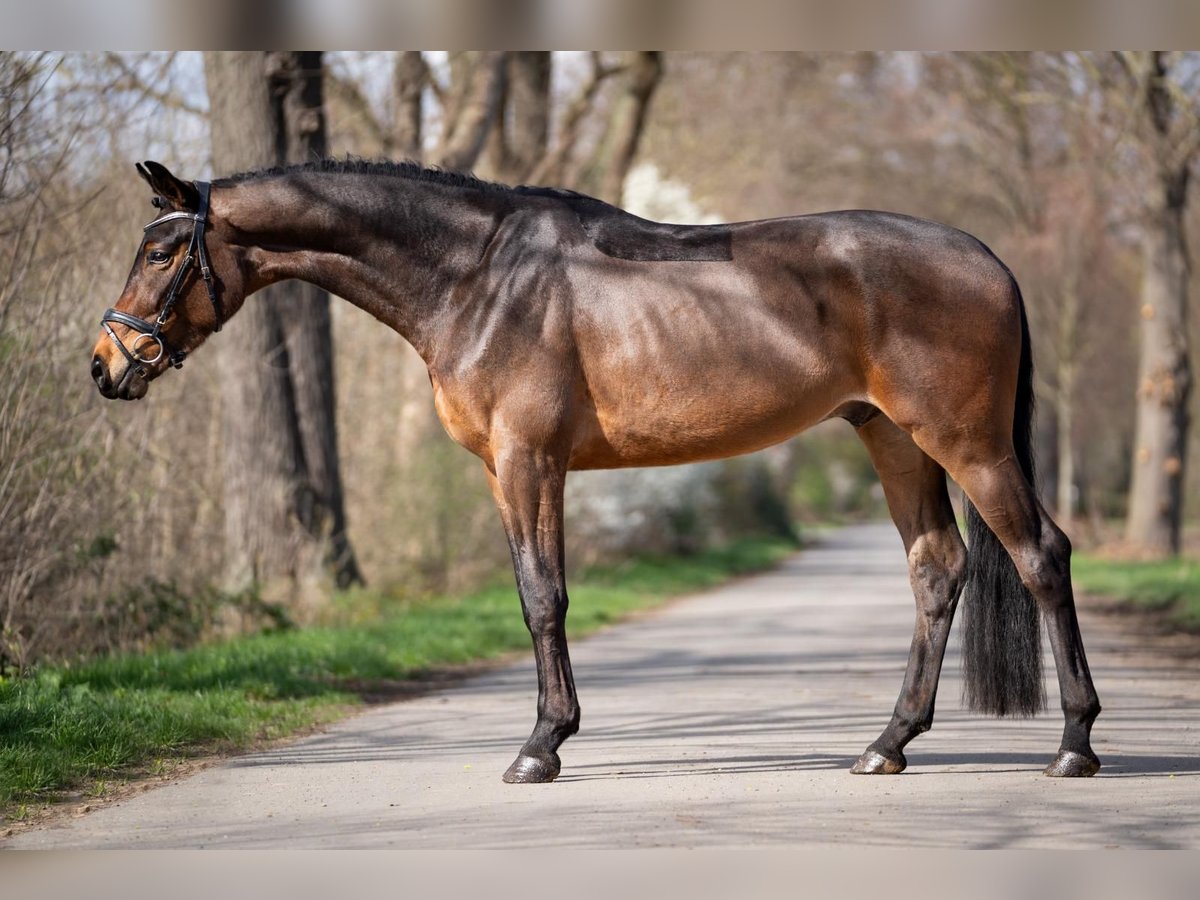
pixel 197 253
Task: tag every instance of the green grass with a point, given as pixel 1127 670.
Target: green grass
pixel 1172 586
pixel 74 727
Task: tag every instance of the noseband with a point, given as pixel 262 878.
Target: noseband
pixel 197 253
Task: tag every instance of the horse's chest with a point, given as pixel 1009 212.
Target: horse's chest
pixel 462 413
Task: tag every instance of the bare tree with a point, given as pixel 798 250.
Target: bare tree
pixel 521 134
pixel 552 167
pixel 410 77
pixel 604 173
pixel 1034 110
pixel 298 101
pixel 477 86
pixel 1168 129
pixel 495 111
pixel 283 503
pixel 108 534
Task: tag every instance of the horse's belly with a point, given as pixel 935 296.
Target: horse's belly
pixel 666 423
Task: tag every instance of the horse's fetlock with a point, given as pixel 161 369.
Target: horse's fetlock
pixel 562 720
pixel 1087 713
pixel 907 724
pixel 572 723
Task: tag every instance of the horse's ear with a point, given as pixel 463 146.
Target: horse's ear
pixel 176 193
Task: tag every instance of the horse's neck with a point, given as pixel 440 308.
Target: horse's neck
pixel 394 247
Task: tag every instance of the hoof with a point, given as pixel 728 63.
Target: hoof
pixel 531 770
pixel 1069 764
pixel 875 763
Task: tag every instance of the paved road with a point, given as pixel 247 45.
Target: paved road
pixel 729 719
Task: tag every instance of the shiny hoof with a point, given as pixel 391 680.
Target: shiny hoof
pixel 875 763
pixel 1069 764
pixel 531 770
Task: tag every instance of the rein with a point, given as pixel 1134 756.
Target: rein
pixel 197 253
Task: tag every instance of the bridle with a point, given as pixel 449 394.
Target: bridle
pixel 197 253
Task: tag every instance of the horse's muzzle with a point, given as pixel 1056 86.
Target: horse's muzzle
pixel 100 376
pixel 130 387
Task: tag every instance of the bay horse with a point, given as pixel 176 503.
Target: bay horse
pixel 563 333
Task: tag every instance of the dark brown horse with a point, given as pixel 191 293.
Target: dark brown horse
pixel 562 333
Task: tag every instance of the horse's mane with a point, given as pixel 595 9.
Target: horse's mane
pixel 614 231
pixel 414 171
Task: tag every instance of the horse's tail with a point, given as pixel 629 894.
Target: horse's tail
pixel 1002 654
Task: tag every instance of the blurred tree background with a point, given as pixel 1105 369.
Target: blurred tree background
pixel 120 525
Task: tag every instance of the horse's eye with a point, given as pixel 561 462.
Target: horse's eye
pixel 158 256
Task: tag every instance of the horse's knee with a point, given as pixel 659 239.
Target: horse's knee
pixel 937 563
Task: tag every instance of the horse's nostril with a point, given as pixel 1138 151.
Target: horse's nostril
pixel 99 374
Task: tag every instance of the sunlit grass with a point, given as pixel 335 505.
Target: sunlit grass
pixel 71 727
pixel 1170 585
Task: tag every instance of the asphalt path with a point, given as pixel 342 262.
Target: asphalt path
pixel 728 719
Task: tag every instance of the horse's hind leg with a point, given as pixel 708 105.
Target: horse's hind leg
pixel 528 487
pixel 997 487
pixel 915 487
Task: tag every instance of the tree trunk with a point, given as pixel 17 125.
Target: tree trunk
pixel 518 141
pixel 476 88
pixel 1064 409
pixel 284 517
pixel 604 175
pixel 552 167
pixel 408 84
pixel 1068 346
pixel 527 123
pixel 1164 375
pixel 303 310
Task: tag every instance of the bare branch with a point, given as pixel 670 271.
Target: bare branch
pixel 346 91
pixel 131 80
pixel 552 166
pixel 475 111
pixel 604 174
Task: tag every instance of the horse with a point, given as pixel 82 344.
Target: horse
pixel 563 333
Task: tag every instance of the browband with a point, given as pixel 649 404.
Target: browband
pixel 170 216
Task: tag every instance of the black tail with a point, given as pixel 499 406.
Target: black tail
pixel 1002 647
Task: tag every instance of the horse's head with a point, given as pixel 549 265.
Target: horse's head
pixel 180 290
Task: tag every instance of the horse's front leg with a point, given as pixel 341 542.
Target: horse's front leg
pixel 528 486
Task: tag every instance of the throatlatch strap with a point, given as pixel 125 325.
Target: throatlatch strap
pixel 203 188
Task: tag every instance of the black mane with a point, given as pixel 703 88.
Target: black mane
pixel 414 171
pixel 614 231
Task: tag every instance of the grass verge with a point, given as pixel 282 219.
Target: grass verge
pixel 76 727
pixel 1171 587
